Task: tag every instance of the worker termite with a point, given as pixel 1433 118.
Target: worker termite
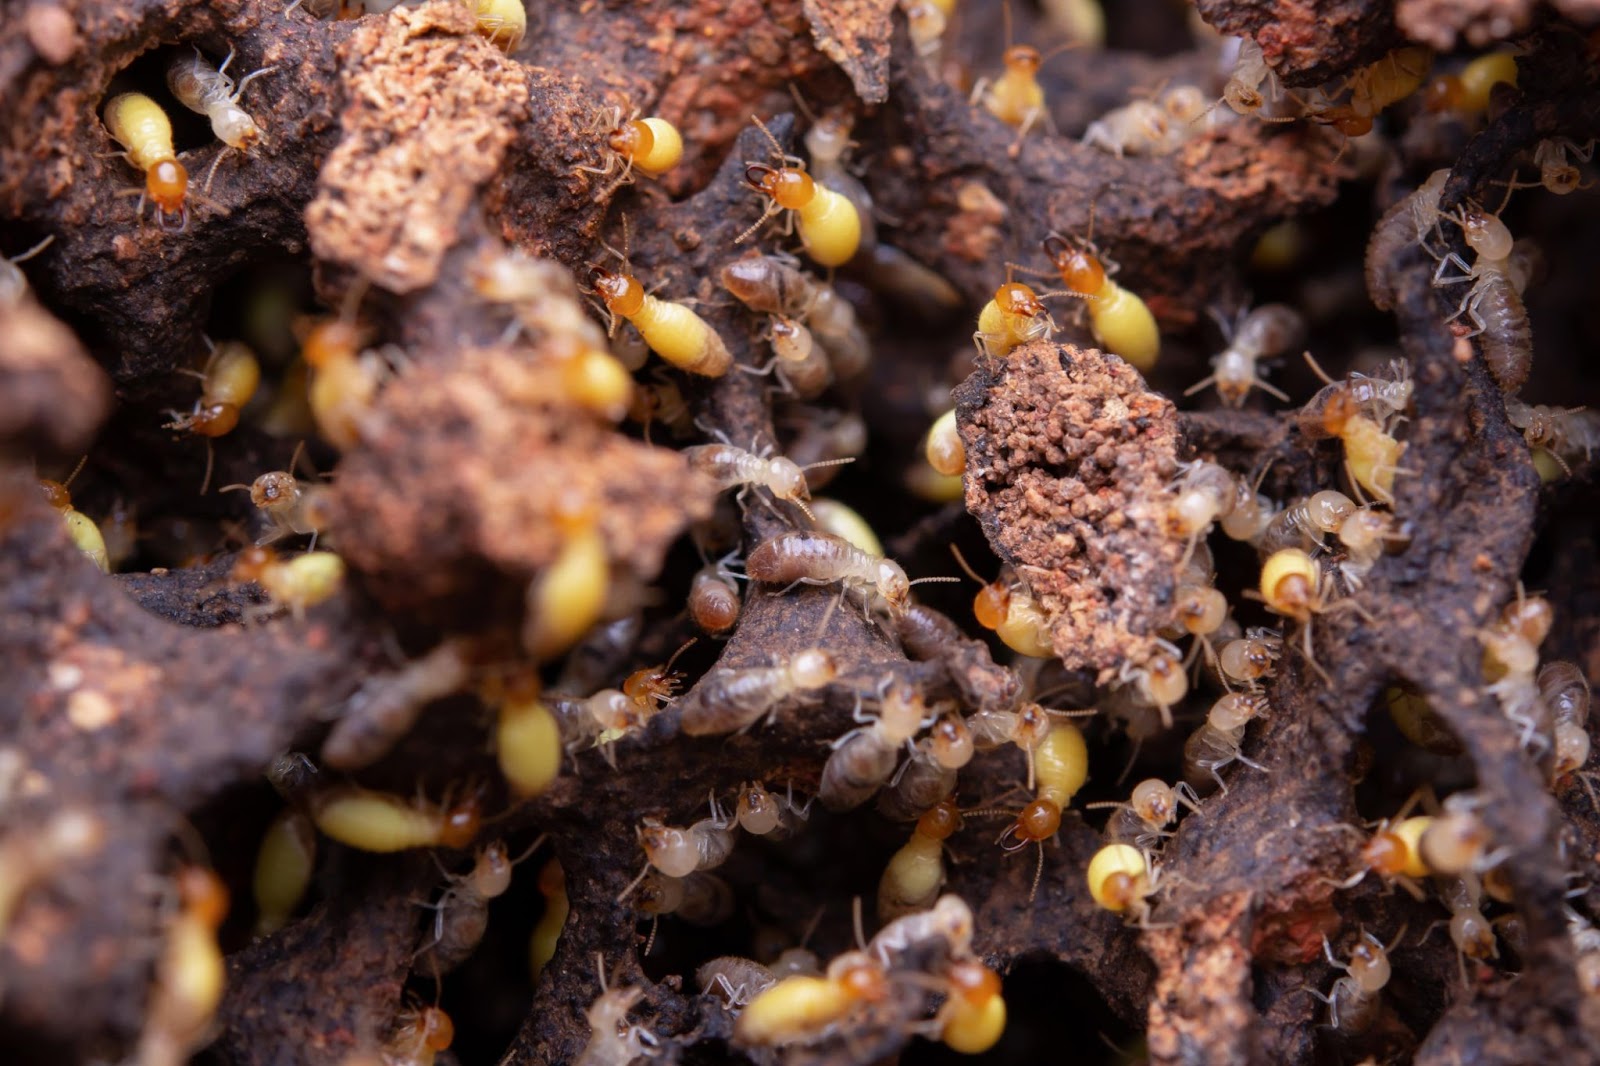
pixel 503 23
pixel 1469 930
pixel 763 813
pixel 1371 455
pixel 1122 879
pixel 1150 127
pixel 13 282
pixel 387 705
pixel 805 557
pixel 729 699
pixel 211 92
pixel 1565 691
pixel 378 821
pixel 1353 1000
pixel 420 1033
pixel 802 1007
pixel 569 595
pixel 929 776
pixel 672 330
pixel 85 535
pixel 1119 320
pixel 1401 226
pixel 291 508
pixel 190 973
pixel 774 285
pixel 1557 173
pixel 1013 317
pixel 1467 93
pixel 1220 740
pixel 1305 522
pixel 1143 820
pixel 547 932
pixel 32 856
pixel 1492 303
pixel 949 920
pixel 142 128
pixel 1061 766
pixel 1382 397
pixel 300 583
pixel 613 1039
pixel 652 146
pixel 800 363
pixel 1160 681
pixel 863 759
pixel 915 874
pixel 284 863
pixel 461 915
pixel 1243 92
pixel 227 383
pixel 734 980
pixel 1562 432
pixel 829 224
pixel 730 467
pixel 973 1016
pixel 676 852
pixel 714 600
pixel 1269 330
pixel 1510 660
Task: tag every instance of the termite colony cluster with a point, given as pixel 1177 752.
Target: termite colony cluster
pixel 427 638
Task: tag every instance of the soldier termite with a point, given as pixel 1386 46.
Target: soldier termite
pixel 142 128
pixel 379 821
pixel 298 583
pixel 190 973
pixel 915 874
pixel 829 224
pixel 1119 319
pixel 227 383
pixel 85 535
pixel 651 146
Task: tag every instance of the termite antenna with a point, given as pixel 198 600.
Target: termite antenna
pixel 934 580
pixel 1316 368
pixel 961 561
pixel 828 462
pixel 625 893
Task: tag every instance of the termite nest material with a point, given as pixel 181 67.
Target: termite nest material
pixel 1070 464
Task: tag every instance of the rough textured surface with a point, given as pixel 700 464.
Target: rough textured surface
pixel 1069 460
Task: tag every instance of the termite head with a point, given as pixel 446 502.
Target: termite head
pixel 788 481
pixel 492 871
pixel 211 420
pixel 631 139
pixel 330 341
pixel 892 583
pixel 274 489
pixel 1022 59
pixel 1018 300
pixel 460 821
pixel 622 293
pixel 1529 617
pixel 860 976
pixel 788 187
pixel 203 896
pixel 1038 821
pixel 166 184
pixel 1289 581
pixel 950 742
pixel 1369 963
pixel 253 563
pixel 829 136
pixel 939 821
pixel 56 494
pixel 1154 801
pixel 813 668
pixel 1487 235
pixel 1244 99
pixel 1080 270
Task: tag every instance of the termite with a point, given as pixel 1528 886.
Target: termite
pixel 1119 320
pixel 731 467
pixel 1160 681
pixel 1015 97
pixel 1143 820
pixel 1242 92
pixel 672 330
pixel 502 23
pixel 1565 691
pixel 1403 225
pixel 284 863
pixel 805 557
pixel 1492 303
pixel 678 852
pixel 386 706
pixel 863 759
pixel 1269 330
pixel 190 973
pixel 1374 87
pixel 1382 397
pixel 915 874
pixel 569 595
pixel 652 146
pixel 344 380
pixel 1013 317
pixel 420 1033
pixel 1394 852
pixel 527 743
pixel 85 535
pixel 1219 741
pixel 1562 432
pixel 613 1039
pixel 773 285
pixel 378 821
pixel 1457 840
pixel 229 380
pixel 929 776
pixel 1305 522
pixel 1295 586
pixel 1005 606
pixel 13 282
pixel 461 916
pixel 1150 127
pixel 1371 455
pixel 31 856
pixel 547 931
pixel 211 92
pixel 973 1016
pixel 1122 879
pixel 1469 930
pixel 714 600
pixel 1061 766
pixel 142 128
pixel 1557 173
pixel 763 813
pixel 829 224
pixel 949 921
pixel 291 508
pixel 1353 1000
pixel 729 699
pixel 300 583
pixel 1467 93
pixel 1510 661
pixel 803 1007
pixel 734 980
pixel 801 364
